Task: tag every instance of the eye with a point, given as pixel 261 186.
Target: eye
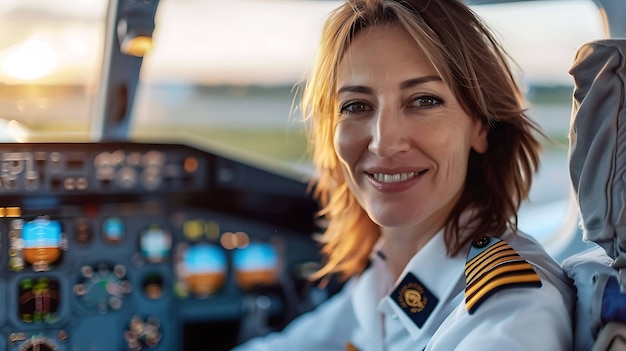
pixel 355 107
pixel 426 101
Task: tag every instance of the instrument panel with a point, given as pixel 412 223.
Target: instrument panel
pixel 137 246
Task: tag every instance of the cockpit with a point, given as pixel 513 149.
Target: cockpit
pixel 154 176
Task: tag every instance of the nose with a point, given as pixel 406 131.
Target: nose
pixel 389 133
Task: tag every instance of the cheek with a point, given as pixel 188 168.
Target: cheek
pixel 450 145
pixel 348 143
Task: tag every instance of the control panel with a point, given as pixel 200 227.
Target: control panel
pixel 134 246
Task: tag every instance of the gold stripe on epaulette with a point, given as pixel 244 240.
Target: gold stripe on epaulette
pixel 499 283
pixel 498 257
pixel 496 268
pixel 488 252
pixel 508 268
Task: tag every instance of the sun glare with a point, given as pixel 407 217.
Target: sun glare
pixel 30 60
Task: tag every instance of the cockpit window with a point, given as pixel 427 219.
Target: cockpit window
pixel 227 73
pixel 50 53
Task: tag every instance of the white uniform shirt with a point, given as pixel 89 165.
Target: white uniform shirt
pixel 368 314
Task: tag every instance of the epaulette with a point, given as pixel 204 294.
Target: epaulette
pixel 493 265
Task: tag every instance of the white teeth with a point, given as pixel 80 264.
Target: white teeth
pixel 393 178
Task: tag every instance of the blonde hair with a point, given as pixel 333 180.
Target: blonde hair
pixel 474 66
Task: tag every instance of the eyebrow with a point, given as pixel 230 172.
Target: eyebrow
pixel 417 81
pixel 404 85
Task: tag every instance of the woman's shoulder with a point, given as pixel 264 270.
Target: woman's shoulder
pixel 514 260
pixel 533 252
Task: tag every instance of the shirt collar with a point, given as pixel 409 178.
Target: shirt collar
pixel 424 286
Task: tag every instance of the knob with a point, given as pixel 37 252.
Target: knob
pixel 142 334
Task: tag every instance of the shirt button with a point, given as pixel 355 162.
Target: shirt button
pixel 394 316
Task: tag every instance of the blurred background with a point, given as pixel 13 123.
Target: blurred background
pixel 225 71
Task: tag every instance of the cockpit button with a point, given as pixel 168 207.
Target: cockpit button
pixel 151 178
pixel 126 177
pixel 141 335
pixel 153 159
pixel 113 229
pixel 193 229
pixel 83 233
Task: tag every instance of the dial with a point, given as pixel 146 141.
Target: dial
pixel 103 286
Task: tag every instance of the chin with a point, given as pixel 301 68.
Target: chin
pixel 390 219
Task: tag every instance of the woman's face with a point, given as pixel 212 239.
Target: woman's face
pixel 401 136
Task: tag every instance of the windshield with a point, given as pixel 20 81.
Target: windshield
pixel 49 64
pixel 231 66
pixel 225 72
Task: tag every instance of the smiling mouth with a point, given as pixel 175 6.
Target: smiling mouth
pixel 397 177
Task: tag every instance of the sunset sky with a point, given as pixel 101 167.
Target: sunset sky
pixel 255 41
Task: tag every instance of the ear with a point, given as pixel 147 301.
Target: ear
pixel 480 144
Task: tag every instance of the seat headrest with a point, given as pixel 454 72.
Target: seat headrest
pixel 597 153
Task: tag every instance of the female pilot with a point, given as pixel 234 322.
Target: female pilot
pixel 424 153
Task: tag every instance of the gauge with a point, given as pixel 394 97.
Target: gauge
pixel 256 264
pixel 153 285
pixel 42 239
pixel 155 244
pixel 203 269
pixel 38 300
pixel 103 286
